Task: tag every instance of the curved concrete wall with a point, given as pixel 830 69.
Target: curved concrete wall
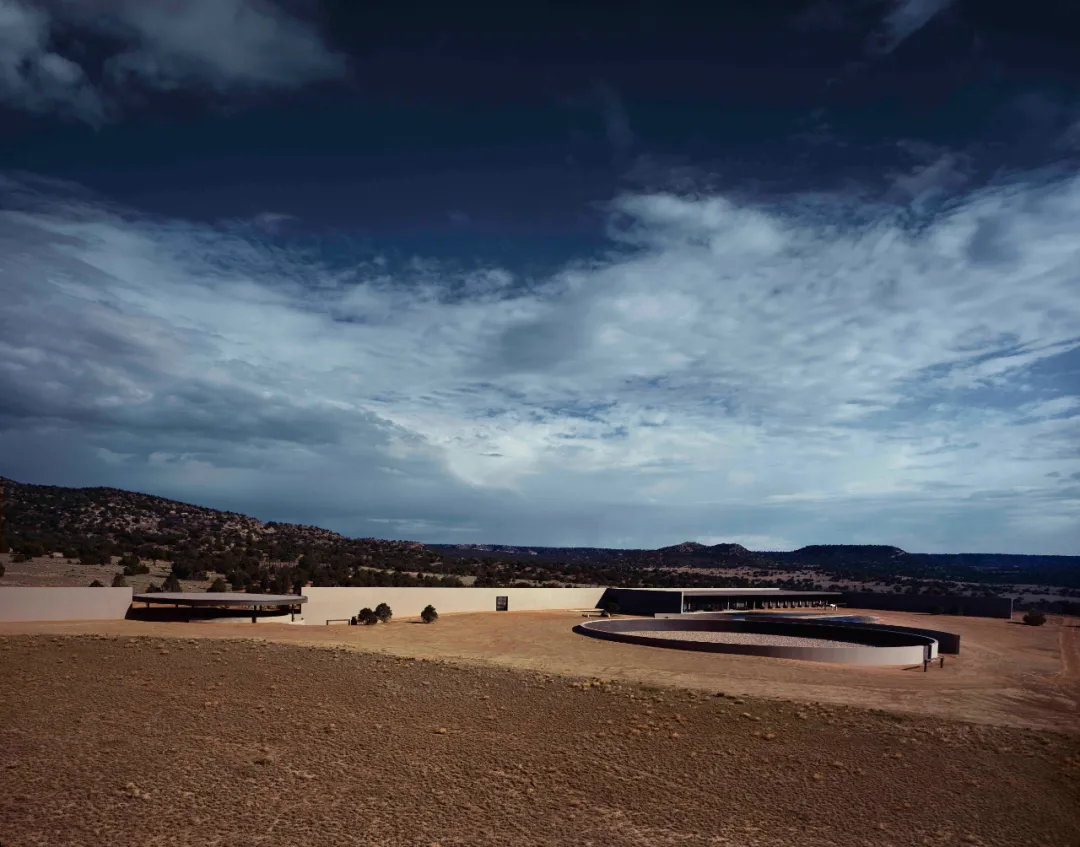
pixel 875 647
pixel 948 642
pixel 18 603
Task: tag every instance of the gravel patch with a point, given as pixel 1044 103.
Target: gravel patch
pixel 750 638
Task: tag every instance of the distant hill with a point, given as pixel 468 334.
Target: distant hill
pixel 97 525
pixel 687 554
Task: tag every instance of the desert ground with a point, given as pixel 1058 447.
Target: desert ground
pixel 509 729
pixel 1007 674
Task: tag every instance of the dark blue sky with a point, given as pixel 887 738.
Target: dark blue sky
pixel 461 123
pixel 492 253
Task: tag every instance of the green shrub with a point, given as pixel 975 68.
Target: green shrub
pixel 1035 618
pixel 118 581
pixel 936 610
pixel 611 607
pixel 172 584
pixel 1 570
pixel 384 613
pixel 132 565
pixel 181 570
pixel 217 586
pixel 97 583
pixel 367 617
pixel 429 615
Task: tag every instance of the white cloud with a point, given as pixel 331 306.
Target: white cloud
pixel 904 19
pixel 940 177
pixel 1059 406
pixel 271 222
pixel 221 44
pixel 803 372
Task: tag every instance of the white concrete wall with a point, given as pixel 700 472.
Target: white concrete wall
pixel 326 603
pixel 63 604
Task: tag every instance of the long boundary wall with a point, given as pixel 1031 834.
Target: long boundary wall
pixel 953 604
pixel 335 603
pixel 18 603
pixel 880 647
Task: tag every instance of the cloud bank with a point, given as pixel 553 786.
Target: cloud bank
pixel 816 370
pixel 220 45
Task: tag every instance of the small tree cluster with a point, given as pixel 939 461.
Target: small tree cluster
pixel 217 586
pixel 383 613
pixel 367 617
pixel 429 615
pixel 1035 618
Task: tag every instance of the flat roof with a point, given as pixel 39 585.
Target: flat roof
pixel 220 598
pixel 741 592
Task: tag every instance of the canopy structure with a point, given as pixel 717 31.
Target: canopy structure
pixel 654 601
pixel 224 599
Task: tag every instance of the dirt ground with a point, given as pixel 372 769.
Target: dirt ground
pixel 1007 674
pixel 198 741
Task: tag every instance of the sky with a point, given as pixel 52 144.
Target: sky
pixel 771 273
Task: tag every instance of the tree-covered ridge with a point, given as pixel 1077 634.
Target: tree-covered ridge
pixel 96 525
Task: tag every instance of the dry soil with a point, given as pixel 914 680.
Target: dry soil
pixel 129 733
pixel 152 741
pixel 1007 673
